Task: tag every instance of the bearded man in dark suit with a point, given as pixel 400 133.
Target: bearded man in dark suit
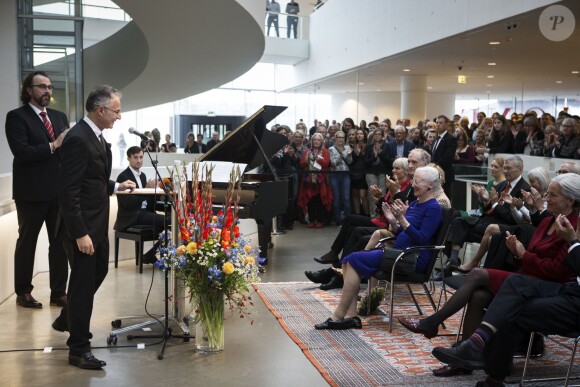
pixel 35 146
pixel 83 195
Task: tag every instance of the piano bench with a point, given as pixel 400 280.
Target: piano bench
pixel 139 234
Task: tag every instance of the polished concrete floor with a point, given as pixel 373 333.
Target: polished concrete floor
pixel 256 355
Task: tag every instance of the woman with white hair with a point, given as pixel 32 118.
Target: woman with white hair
pixel 414 225
pixel 543 259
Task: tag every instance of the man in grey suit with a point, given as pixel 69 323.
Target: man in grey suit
pixel 35 133
pixel 83 195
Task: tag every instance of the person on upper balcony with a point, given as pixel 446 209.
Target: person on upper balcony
pixel 292 8
pixel 273 9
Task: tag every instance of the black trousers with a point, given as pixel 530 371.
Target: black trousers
pixel 154 219
pixel 31 217
pixel 273 19
pixel 87 274
pixel 348 225
pixel 359 237
pixel 526 304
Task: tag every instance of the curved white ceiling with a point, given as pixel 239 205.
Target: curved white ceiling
pixel 174 49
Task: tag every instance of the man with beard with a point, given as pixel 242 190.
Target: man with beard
pixel 34 134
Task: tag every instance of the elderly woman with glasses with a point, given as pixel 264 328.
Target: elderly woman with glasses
pixel 543 259
pixel 414 225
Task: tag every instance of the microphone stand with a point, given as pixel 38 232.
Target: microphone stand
pixel 167 331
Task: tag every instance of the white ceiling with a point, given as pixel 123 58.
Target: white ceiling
pixel 527 64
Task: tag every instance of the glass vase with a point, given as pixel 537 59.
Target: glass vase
pixel 209 322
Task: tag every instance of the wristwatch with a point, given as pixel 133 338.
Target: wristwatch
pixel 572 243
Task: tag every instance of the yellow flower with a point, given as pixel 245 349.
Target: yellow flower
pixel 192 248
pixel 228 268
pixel 247 248
pixel 250 260
pixel 181 250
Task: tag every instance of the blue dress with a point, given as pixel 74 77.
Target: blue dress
pixel 424 221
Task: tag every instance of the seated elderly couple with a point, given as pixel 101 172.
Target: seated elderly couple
pixel 543 297
pixel 356 229
pixel 412 225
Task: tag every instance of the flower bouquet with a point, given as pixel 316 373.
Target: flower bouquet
pixel 213 259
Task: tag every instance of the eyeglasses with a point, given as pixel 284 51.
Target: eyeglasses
pixel 43 87
pixel 117 112
pixel 416 182
pixel 561 172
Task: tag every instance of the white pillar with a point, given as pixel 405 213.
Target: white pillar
pixel 413 97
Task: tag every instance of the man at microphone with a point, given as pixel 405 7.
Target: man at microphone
pixel 138 209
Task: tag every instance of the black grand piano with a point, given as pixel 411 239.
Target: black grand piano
pixel 264 195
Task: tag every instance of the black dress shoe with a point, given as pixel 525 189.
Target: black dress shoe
pixel 320 277
pixel 328 258
pixel 449 370
pixel 463 355
pixel 58 301
pixel 86 361
pixel 27 301
pixel 60 325
pixel 414 325
pixel 335 283
pixel 347 323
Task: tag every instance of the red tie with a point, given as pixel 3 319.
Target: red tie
pixel 48 125
pixel 506 190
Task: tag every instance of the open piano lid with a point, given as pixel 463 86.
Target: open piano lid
pixel 240 146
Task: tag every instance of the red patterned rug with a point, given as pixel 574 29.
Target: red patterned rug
pixel 372 356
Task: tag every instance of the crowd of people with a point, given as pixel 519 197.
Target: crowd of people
pixel 526 225
pixel 352 167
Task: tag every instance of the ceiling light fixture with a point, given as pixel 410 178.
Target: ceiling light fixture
pixel 490 76
pixel 489 85
pixel 558 81
pixel 406 70
pixel 494 43
pixel 491 64
pixel 575 72
pixel 361 83
pixel 429 88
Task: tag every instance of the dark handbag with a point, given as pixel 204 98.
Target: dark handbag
pixel 405 266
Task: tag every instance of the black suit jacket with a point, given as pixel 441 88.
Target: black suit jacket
pixel 130 205
pixel 444 155
pixel 84 184
pixel 502 211
pixel 408 146
pixel 34 169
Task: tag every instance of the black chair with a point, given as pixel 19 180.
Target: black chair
pixel 416 278
pixel 571 335
pixel 139 234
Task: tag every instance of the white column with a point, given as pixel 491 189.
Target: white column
pixel 413 97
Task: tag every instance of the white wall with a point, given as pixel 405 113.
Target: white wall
pixel 382 104
pixel 370 30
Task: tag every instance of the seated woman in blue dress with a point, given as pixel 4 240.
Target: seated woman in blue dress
pixel 413 225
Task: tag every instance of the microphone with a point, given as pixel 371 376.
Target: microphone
pixel 136 133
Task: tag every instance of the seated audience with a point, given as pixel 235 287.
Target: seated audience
pixel 523 304
pixel 544 259
pixel 168 146
pixel 415 225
